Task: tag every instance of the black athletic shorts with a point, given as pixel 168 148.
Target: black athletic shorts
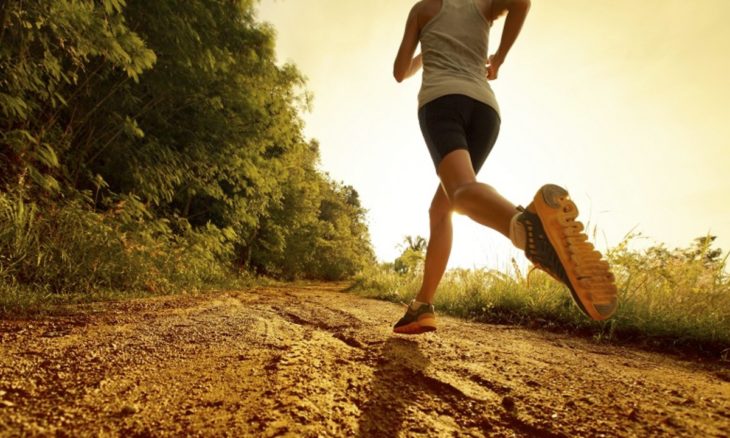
pixel 456 121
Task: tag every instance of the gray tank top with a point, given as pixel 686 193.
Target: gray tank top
pixel 454 45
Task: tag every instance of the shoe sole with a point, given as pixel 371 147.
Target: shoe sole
pixel 549 199
pixel 424 325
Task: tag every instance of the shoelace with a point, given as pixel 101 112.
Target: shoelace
pixel 545 265
pixel 590 269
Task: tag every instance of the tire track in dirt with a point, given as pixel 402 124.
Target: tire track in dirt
pixel 309 360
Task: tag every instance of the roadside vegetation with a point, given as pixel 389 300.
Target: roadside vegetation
pixel 670 299
pixel 152 147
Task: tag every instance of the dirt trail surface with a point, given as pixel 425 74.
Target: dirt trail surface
pixel 314 361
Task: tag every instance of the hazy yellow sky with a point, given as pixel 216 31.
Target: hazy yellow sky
pixel 625 103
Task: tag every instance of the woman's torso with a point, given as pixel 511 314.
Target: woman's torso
pixel 454 43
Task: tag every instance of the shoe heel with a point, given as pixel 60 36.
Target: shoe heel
pixel 553 195
pixel 427 323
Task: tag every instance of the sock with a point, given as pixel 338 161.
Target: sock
pixel 517 233
pixel 416 304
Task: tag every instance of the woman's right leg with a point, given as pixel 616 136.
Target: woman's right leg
pixel 481 202
pixel 595 292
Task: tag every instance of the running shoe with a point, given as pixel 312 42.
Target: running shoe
pixel 418 321
pixel 557 244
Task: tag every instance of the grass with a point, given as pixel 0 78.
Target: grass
pixel 677 300
pixel 68 253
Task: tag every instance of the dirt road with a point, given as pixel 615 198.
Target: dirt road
pixel 313 361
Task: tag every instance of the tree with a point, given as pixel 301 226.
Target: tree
pixel 51 54
pixel 413 255
pixel 180 109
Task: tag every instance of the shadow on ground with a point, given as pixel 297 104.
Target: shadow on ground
pixel 395 388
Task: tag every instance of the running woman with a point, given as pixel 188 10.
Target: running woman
pixel 459 118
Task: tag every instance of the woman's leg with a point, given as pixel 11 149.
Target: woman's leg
pixel 439 245
pixel 479 201
pixel 442 124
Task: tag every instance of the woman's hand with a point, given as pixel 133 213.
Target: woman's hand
pixel 493 64
pixel 516 15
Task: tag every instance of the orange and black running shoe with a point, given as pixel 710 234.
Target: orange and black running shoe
pixel 557 244
pixel 414 322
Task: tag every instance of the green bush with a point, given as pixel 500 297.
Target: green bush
pixel 69 248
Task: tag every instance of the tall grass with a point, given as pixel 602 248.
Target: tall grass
pixel 670 299
pixel 68 252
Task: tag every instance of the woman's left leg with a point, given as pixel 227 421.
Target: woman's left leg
pixel 419 317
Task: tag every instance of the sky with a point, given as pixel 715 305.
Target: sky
pixel 625 103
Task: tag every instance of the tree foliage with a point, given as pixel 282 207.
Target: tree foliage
pixel 180 108
pixel 413 256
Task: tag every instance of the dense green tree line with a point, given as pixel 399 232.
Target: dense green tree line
pixel 165 127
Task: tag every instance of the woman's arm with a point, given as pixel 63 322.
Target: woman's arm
pixel 516 15
pixel 406 65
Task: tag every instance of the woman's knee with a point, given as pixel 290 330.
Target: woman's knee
pixel 439 212
pixel 461 196
pixel 464 196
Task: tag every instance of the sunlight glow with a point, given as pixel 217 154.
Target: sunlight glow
pixel 624 103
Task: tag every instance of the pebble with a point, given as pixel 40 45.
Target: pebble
pixel 130 409
pixel 508 403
